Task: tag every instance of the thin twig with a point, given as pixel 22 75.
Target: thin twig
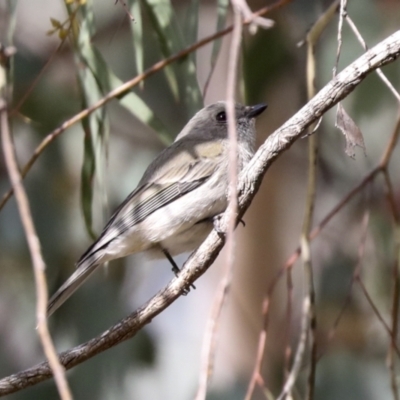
pixel 305 241
pixel 375 310
pixel 342 16
pixel 232 133
pixel 291 380
pixel 223 289
pixel 387 154
pixel 308 218
pixel 356 277
pixel 256 375
pixel 288 318
pixel 37 259
pixel 365 47
pixel 210 342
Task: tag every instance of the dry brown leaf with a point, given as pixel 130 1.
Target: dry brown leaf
pixel 350 130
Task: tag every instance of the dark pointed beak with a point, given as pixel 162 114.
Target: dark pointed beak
pixel 255 111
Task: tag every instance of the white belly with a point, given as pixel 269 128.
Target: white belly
pixel 177 227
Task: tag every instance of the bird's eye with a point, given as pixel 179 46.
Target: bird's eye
pixel 221 116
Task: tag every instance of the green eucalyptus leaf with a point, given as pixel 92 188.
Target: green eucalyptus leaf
pixel 191 25
pixel 87 177
pixel 137 35
pixel 181 76
pixel 222 12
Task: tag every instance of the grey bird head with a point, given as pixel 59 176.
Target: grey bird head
pixel 211 121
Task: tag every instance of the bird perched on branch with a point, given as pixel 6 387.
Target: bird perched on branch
pixel 172 210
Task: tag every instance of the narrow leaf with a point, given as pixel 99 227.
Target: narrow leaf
pixel 222 12
pixel 191 23
pixel 131 100
pixel 182 73
pixel 137 35
pixel 87 178
pixel 92 88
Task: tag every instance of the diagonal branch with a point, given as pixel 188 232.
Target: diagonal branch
pixel 250 180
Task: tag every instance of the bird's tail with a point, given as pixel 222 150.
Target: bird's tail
pixel 83 271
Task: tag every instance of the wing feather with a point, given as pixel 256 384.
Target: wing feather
pixel 152 196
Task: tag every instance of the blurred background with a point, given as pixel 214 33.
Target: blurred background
pixel 103 48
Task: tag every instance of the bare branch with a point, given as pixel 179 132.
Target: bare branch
pixel 32 239
pixel 209 345
pixel 342 15
pixel 291 380
pixel 255 377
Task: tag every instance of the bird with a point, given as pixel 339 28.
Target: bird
pixel 174 206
